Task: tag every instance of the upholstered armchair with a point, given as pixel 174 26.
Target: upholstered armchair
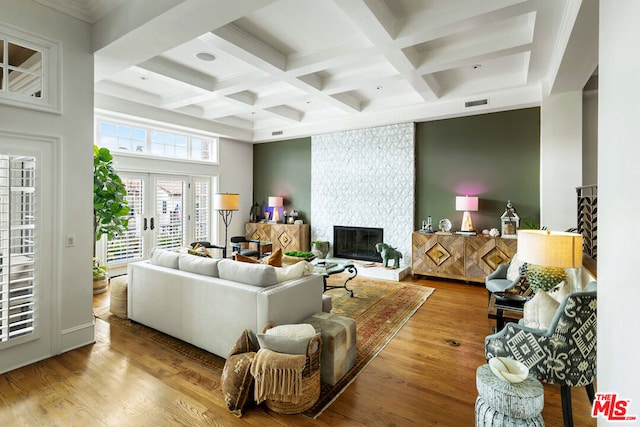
pixel 564 354
pixel 241 245
pixel 509 277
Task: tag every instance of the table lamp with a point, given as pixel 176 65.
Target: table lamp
pixel 552 249
pixel 225 204
pixel 276 202
pixel 466 204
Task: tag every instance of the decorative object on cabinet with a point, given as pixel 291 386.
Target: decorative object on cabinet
pixel 388 253
pixel 466 204
pixel 276 202
pixel 510 221
pixel 468 258
pixel 288 237
pixel 225 204
pixel 555 249
pixel 445 226
pixel 254 215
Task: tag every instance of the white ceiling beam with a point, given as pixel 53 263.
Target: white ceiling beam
pixel 179 73
pixel 288 113
pixel 366 15
pixel 137 31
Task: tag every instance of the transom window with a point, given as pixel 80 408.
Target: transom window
pixel 155 141
pixel 28 70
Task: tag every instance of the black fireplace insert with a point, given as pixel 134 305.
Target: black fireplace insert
pixel 356 243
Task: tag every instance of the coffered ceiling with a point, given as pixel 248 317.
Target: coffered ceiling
pixel 261 70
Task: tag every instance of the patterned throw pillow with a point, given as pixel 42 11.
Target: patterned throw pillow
pixel 236 380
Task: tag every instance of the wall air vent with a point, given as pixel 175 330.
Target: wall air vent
pixel 276 133
pixel 476 103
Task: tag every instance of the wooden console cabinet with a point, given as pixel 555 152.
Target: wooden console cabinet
pixel 288 237
pixel 469 258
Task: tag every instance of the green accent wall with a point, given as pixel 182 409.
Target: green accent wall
pixel 283 168
pixel 493 156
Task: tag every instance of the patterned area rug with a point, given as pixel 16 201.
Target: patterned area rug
pixel 379 307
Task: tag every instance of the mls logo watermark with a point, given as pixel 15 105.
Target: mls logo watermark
pixel 612 408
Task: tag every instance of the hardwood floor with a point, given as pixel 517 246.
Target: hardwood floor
pixel 425 376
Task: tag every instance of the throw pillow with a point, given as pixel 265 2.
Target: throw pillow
pixel 513 272
pixel 539 311
pixel 236 379
pixel 242 258
pixel 245 343
pixel 560 291
pixel 288 339
pixel 294 271
pixel 199 250
pixel 275 259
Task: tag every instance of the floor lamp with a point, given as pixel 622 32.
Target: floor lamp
pixel 225 204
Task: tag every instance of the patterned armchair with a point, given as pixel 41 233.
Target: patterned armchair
pixel 564 354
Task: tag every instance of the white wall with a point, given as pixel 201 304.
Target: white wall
pixel 560 158
pixel 72 305
pixel 618 175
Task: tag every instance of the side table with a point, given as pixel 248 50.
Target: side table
pixel 338 268
pixel 501 403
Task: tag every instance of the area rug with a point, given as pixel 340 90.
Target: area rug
pixel 379 307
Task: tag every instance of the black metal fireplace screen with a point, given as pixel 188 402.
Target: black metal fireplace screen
pixel 357 243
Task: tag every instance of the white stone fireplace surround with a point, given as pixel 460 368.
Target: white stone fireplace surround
pixel 365 178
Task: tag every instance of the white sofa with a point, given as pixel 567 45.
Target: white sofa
pixel 209 302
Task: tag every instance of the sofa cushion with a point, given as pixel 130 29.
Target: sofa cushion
pixel 164 258
pixel 250 274
pixel 242 258
pixel 198 264
pixel 294 271
pixel 514 270
pixel 274 259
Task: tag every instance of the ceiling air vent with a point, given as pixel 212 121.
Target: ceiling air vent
pixel 276 133
pixel 476 103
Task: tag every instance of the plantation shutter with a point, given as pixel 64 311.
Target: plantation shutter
pixel 169 219
pixel 18 208
pixel 129 245
pixel 202 209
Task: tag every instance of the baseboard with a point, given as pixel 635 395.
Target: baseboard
pixel 77 337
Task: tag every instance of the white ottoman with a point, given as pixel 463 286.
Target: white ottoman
pixel 501 403
pixel 338 345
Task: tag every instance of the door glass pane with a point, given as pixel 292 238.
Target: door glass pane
pixel 128 246
pixel 25 83
pixel 25 58
pixel 17 246
pixel 202 210
pixel 169 222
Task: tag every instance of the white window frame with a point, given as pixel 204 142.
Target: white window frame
pixel 149 127
pixel 51 99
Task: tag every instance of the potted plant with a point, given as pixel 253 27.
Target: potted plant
pixel 320 248
pixel 110 208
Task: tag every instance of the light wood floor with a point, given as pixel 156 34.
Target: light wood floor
pixel 425 376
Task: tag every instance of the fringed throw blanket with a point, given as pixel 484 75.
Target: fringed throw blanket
pixel 277 376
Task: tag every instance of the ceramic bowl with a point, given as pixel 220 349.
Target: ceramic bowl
pixel 508 369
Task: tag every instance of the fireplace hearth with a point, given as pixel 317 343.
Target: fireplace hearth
pixel 357 243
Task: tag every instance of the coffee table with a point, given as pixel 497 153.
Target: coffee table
pixel 338 268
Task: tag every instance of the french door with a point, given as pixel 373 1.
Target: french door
pixel 167 211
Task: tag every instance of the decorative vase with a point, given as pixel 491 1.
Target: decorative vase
pixel 320 249
pixel 100 284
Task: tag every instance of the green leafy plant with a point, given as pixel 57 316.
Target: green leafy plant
pixel 528 224
pixel 98 270
pixel 110 207
pixel 299 254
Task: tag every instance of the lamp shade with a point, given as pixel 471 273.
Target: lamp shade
pixel 226 201
pixel 550 248
pixel 275 202
pixel 466 203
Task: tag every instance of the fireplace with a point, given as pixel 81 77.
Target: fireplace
pixel 356 243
